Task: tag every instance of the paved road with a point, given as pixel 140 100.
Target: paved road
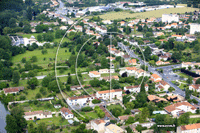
pixel 167 75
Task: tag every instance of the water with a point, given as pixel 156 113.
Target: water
pixel 3 113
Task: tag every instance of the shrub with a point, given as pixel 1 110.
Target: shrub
pixel 86 109
pixel 95 101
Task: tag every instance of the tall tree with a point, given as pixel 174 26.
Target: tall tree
pixel 15 122
pixel 29 13
pixel 16 77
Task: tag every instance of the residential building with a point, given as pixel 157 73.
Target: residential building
pixel 195 87
pixel 170 18
pixel 132 62
pixel 112 128
pixel 12 90
pixel 94 74
pixel 110 58
pixel 156 99
pixel 66 113
pixel 110 94
pixel 173 98
pixel 80 100
pixel 163 57
pixel 187 64
pixel 78 28
pixel 194 27
pixel 124 117
pixel 192 128
pixel 37 115
pixel 106 22
pixel 162 63
pixel 63 28
pixel 57 106
pixel 180 107
pixel 126 57
pixel 135 88
pixel 106 71
pixel 164 84
pixel 98 125
pixel 155 78
pixel 107 78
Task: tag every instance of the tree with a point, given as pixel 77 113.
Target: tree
pixel 23 60
pixel 141 98
pixel 197 81
pixel 69 80
pixel 104 62
pixel 16 77
pixel 142 88
pixel 147 53
pixel 20 24
pixel 139 128
pixel 15 122
pixel 189 68
pixel 187 94
pixel 39 38
pixel 44 51
pixel 189 80
pixel 130 105
pixel 12 23
pixel 129 130
pixel 32 83
pixel 184 118
pixel 42 128
pixel 29 13
pixel 34 59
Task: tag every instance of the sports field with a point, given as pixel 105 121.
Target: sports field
pixel 142 15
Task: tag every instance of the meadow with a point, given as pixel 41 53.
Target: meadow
pixel 142 15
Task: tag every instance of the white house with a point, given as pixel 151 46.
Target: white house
pixel 37 115
pixel 63 28
pixel 155 78
pixel 94 74
pixel 135 88
pixel 107 78
pixel 12 90
pixel 98 125
pixel 106 22
pixel 106 71
pixel 195 87
pixel 192 128
pixel 112 128
pixel 66 113
pixel 80 100
pixel 110 94
pixel 132 62
pixel 187 64
pixel 101 29
pixel 78 28
pixel 194 27
pixel 164 84
pixel 180 107
pixel 170 18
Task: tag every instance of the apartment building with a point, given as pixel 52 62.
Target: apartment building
pixel 170 18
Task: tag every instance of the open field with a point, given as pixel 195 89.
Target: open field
pixel 143 15
pixel 43 59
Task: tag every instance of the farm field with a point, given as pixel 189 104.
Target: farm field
pixel 143 15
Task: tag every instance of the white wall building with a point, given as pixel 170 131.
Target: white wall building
pixel 170 18
pixel 106 71
pixel 110 94
pixel 80 100
pixel 98 125
pixel 94 74
pixel 136 88
pixel 66 113
pixel 37 115
pixel 194 27
pixel 192 128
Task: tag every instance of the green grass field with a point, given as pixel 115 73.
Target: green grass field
pixel 143 15
pixel 49 57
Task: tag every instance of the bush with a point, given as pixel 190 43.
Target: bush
pixel 86 109
pixel 95 101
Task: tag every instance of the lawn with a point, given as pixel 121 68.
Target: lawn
pixel 43 59
pixel 49 121
pixel 194 120
pixel 91 115
pixel 143 15
pixel 183 74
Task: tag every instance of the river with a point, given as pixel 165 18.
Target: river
pixel 3 113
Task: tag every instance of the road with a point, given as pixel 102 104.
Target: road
pixel 41 77
pixel 167 75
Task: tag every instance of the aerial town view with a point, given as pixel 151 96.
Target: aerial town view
pixel 100 66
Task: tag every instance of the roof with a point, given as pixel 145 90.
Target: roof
pixel 126 56
pixel 135 86
pixel 196 86
pixel 163 82
pixel 65 110
pixel 155 76
pixel 173 107
pixel 125 117
pixel 176 36
pixel 37 112
pixel 131 68
pixel 109 91
pixel 79 97
pixel 112 77
pixel 191 126
pixel 13 89
pixel 132 61
pixel 155 98
pixel 99 121
pixel 95 72
pixel 115 129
